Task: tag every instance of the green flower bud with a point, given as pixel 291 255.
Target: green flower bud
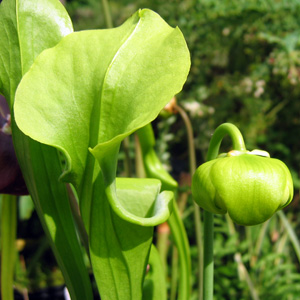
pixel 250 186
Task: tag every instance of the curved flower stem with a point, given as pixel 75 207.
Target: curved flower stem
pixel 213 151
pixel 221 131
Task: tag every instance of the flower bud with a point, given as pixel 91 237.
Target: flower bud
pixel 250 186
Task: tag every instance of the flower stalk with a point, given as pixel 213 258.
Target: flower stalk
pixel 250 186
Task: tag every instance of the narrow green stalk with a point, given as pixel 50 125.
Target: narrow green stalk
pixel 108 19
pixel 245 275
pixel 181 241
pixel 291 232
pixel 162 244
pixel 127 163
pixel 78 220
pixel 139 165
pixel 259 243
pixel 8 249
pixel 280 245
pixel 197 215
pixel 208 260
pixel 190 137
pixel 242 270
pixel 213 151
pixel 174 275
pixel 175 271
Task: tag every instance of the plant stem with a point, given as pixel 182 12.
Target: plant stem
pixel 291 232
pixel 127 162
pixel 162 244
pixel 197 215
pixel 221 131
pixel 259 243
pixel 190 137
pixel 108 19
pixel 139 166
pixel 78 220
pixel 181 241
pixel 174 276
pixel 8 249
pixel 213 151
pixel 208 272
pixel 242 270
pixel 245 275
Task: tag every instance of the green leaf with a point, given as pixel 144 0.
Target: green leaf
pixel 10 60
pixel 119 249
pixel 46 22
pixel 129 209
pixel 52 204
pixel 123 214
pixel 141 202
pixel 26 29
pixel 96 87
pixel 155 282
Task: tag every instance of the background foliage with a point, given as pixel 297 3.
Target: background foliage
pixel 245 70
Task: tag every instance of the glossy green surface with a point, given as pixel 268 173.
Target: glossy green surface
pixel 95 87
pixel 249 187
